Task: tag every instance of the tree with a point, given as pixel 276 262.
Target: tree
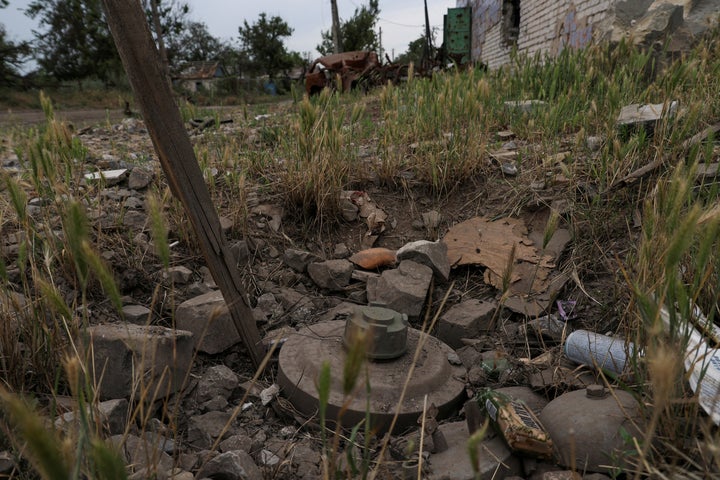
pixel 77 42
pixel 12 56
pixel 263 45
pixel 169 21
pixel 194 44
pixel 357 33
pixel 416 50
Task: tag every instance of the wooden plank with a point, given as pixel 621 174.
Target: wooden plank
pixel 142 63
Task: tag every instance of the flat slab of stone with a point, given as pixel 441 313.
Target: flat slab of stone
pixel 331 274
pixel 208 318
pixel 465 320
pixel 495 458
pixel 431 254
pixel 145 362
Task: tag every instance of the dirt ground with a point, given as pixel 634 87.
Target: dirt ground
pixel 492 197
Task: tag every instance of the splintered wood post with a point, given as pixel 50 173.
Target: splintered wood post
pixel 142 63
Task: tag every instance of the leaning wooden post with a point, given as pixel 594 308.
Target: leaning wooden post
pixel 141 60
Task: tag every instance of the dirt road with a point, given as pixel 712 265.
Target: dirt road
pixel 81 117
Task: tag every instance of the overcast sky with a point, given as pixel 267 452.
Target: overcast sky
pixel 401 20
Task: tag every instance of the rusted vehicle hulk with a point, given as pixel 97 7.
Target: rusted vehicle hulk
pixel 351 66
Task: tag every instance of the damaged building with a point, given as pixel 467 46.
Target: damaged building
pixel 548 26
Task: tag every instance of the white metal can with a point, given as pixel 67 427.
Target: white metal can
pixel 598 351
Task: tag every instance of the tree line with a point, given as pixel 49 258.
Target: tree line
pixel 73 42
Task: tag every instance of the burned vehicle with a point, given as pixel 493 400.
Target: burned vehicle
pixel 355 69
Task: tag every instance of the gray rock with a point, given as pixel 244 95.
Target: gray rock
pixel 341 251
pixel 7 462
pixel 465 320
pixel 204 429
pixel 299 260
pixel 137 314
pixel 134 203
pixel 331 274
pixel 148 362
pixel 109 177
pixel 402 289
pixel 237 442
pixel 208 318
pixel 269 305
pixel 139 178
pixel 495 459
pixel 134 220
pixel 218 380
pixel 431 254
pixel 142 453
pixel 233 465
pixel 179 275
pixel 268 458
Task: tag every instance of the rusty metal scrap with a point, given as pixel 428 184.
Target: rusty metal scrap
pixel 355 69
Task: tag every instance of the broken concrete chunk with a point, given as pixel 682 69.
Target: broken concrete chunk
pixel 402 289
pixel 137 314
pixel 208 318
pixel 148 362
pixel 645 116
pixel 430 254
pixel 331 274
pixel 465 320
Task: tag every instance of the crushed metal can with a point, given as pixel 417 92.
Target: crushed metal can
pixel 517 424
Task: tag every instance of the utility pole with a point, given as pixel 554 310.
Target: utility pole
pixel 337 45
pixel 380 53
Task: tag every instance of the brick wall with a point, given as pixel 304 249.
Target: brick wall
pixel 545 26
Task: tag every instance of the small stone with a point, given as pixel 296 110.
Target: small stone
pixel 594 143
pixel 134 220
pixel 179 275
pixel 454 359
pixel 299 260
pixel 511 145
pixel 233 465
pixel 218 380
pixel 331 274
pixel 465 320
pixel 268 458
pixel 226 224
pixel 562 475
pixel 402 289
pixel 287 432
pixel 137 314
pixel 208 318
pixel 133 203
pixel 139 178
pixel 341 251
pixel 7 462
pixel 236 442
pixel 509 169
pixel 269 394
pixel 269 305
pixel 431 254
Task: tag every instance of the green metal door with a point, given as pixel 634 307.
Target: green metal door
pixel 458 24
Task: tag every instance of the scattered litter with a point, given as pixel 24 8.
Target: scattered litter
pixel 267 395
pixel 246 406
pixel 110 177
pixel 263 116
pixel 533 280
pixel 374 216
pixel 598 351
pixel 273 212
pixel 517 424
pixel 702 360
pixel 373 258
